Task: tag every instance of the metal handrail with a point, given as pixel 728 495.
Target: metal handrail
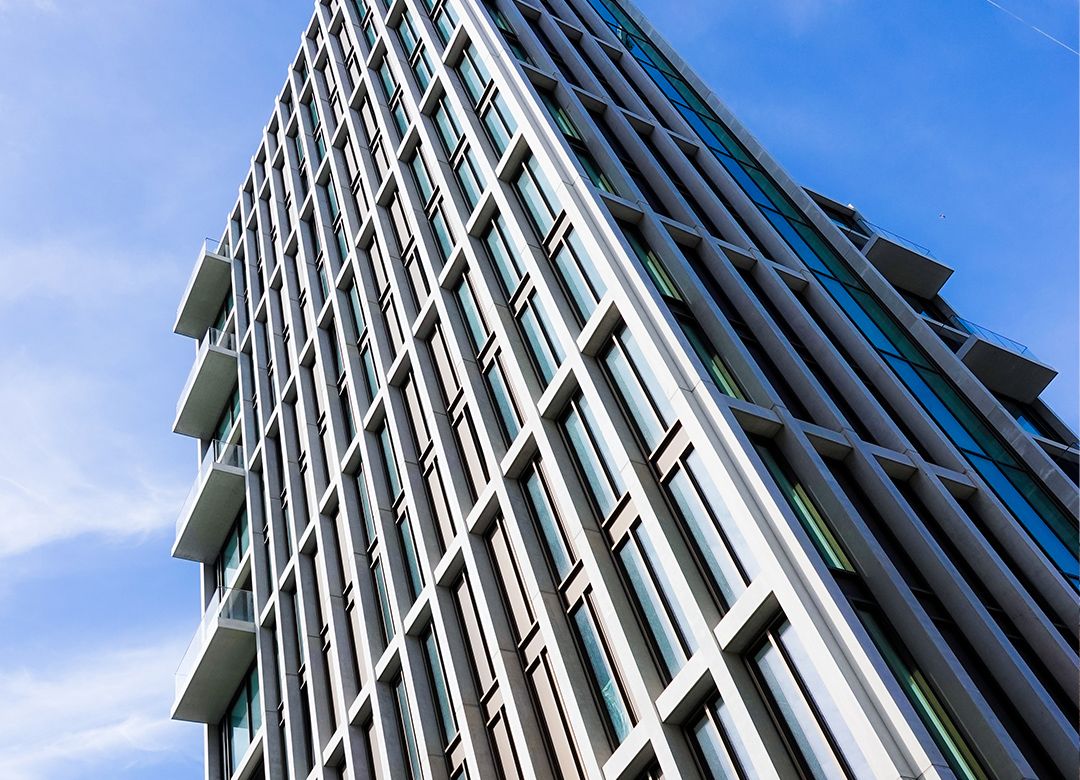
pixel 219 453
pixel 993 337
pixel 226 603
pixel 222 339
pixel 897 238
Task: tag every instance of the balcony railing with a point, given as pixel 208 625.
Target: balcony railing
pixel 222 339
pixel 897 238
pixel 226 604
pixel 219 453
pixel 994 338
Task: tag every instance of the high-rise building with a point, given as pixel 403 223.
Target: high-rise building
pixel 549 429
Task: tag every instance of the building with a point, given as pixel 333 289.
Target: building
pixel 548 429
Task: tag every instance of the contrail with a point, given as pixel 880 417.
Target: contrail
pixel 1043 33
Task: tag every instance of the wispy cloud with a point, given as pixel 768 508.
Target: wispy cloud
pixel 29 5
pixel 80 270
pixel 64 471
pixel 102 710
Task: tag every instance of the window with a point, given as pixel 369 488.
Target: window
pixel 502 257
pixel 444 16
pixel 502 400
pixel 710 527
pixel 579 275
pixel 803 506
pixel 386 615
pixel 711 733
pixel 420 173
pixel 662 614
pixel 473 74
pixel 444 239
pixel 447 126
pixel 536 196
pixel 921 694
pixel 650 413
pixel 577 145
pixel 544 351
pixel 467 171
pixel 406 731
pixel 556 730
pixel 499 121
pixel 243 720
pixel 613 705
pixel 558 547
pixel 472 454
pixel 414 576
pixel 593 457
pixel 474 322
pixel 444 710
pixel 386 449
pixel 809 720
pixel 232 551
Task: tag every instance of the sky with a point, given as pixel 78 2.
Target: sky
pixel 126 127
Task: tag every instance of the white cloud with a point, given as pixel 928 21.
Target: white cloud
pixel 64 471
pixel 29 5
pixel 101 710
pixel 80 270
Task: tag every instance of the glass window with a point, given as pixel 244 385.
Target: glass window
pixel 925 701
pixel 651 413
pixel 710 526
pixel 536 195
pixel 551 530
pixel 386 615
pixel 545 353
pixel 472 455
pixel 663 616
pixel 593 456
pixel 447 126
pixel 468 176
pixel 711 735
pixel 444 239
pixel 420 173
pixel 407 733
pixel 503 258
pixel 473 74
pixel 579 275
pixel 803 506
pixel 803 708
pixel 386 449
pixel 242 721
pixel 474 322
pixel 437 678
pixel 415 576
pixel 499 121
pixel 502 400
pixel 613 704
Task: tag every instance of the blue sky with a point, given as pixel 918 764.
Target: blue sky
pixel 125 128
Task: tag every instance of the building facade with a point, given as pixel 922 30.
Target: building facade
pixel 548 429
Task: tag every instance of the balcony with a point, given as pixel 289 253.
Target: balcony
pixel 1003 365
pixel 218 657
pixel 214 500
pixel 209 283
pixel 905 264
pixel 208 386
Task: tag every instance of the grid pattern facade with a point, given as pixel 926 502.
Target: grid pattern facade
pixel 548 429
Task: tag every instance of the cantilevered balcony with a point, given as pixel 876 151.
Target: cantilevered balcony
pixel 208 386
pixel 218 657
pixel 213 503
pixel 1003 365
pixel 905 264
pixel 205 291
